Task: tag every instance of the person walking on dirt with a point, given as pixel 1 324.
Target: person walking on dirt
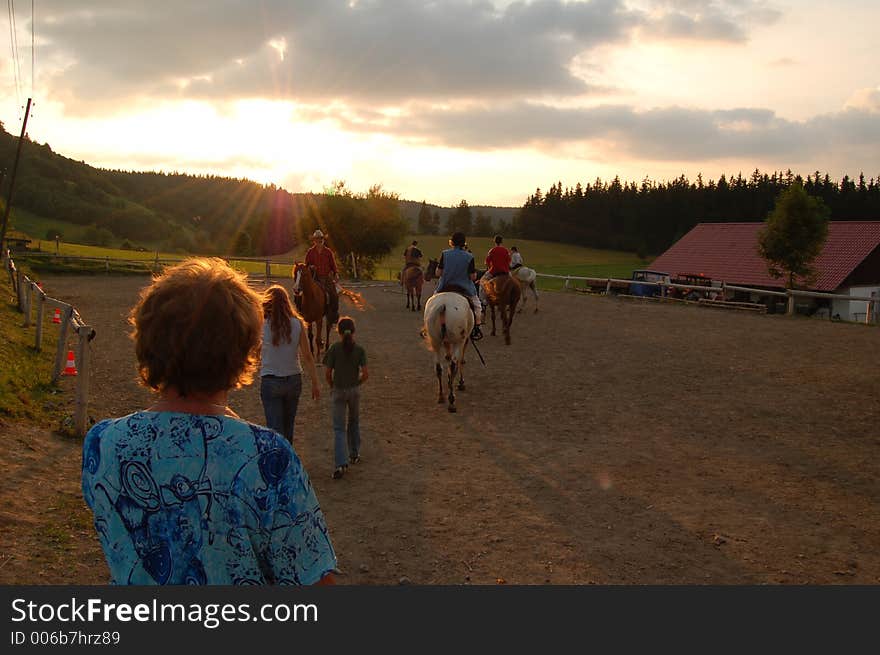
pixel 345 365
pixel 285 349
pixel 321 259
pixel 186 492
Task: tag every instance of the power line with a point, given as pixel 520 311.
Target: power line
pixel 33 51
pixel 16 60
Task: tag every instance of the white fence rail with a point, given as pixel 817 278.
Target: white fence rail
pixel 722 289
pixel 29 292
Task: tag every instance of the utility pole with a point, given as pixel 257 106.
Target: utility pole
pixel 27 112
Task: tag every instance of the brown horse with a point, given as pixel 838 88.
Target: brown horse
pixel 413 279
pixel 504 292
pixel 312 304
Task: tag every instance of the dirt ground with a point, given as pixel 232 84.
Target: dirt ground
pixel 614 442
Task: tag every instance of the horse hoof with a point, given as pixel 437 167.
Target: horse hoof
pixel 452 409
pixel 441 400
pixel 536 310
pixel 461 386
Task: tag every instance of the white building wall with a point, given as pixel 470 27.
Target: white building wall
pixel 855 310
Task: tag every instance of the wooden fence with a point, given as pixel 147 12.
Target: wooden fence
pixel 788 294
pixel 29 293
pixel 265 265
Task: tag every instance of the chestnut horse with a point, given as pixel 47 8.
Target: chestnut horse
pixel 413 279
pixel 504 292
pixel 312 306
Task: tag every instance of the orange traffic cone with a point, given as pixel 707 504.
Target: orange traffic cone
pixel 57 317
pixel 70 369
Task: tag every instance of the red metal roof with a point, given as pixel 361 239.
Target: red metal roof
pixel 728 252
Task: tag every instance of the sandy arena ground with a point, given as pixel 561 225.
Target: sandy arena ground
pixel 613 442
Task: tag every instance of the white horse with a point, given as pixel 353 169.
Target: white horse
pixel 448 324
pixel 526 278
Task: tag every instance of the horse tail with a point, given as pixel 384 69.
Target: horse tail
pixel 439 313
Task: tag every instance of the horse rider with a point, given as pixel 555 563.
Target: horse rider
pixel 516 259
pixel 497 263
pixel 457 273
pixel 497 260
pixel 324 263
pixel 412 256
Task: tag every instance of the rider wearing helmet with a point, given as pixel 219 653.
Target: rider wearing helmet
pixel 457 273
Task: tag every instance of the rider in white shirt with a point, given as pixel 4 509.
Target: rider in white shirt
pixel 516 259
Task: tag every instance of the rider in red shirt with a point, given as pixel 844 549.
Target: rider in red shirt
pixel 498 260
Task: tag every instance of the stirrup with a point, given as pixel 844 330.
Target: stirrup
pixel 476 333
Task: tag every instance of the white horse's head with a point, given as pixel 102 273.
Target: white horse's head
pixel 297 279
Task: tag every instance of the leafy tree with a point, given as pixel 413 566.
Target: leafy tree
pixel 483 225
pixel 435 220
pixel 426 221
pixel 794 234
pixel 369 225
pixel 460 219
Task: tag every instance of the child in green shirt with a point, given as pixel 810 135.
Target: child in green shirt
pixel 345 365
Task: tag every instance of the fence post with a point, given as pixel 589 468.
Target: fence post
pixel 20 291
pixel 268 269
pixel 81 409
pixel 789 310
pixel 565 284
pixel 107 265
pixel 608 287
pixel 62 345
pixel 28 294
pixel 41 305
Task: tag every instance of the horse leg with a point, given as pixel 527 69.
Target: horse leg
pixel 492 307
pixel 311 340
pixel 461 373
pixel 535 292
pixel 451 381
pixel 523 306
pixel 439 370
pixel 506 316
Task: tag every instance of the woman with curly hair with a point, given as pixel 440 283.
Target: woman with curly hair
pixel 186 492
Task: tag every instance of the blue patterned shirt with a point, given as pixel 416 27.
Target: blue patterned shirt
pixel 194 499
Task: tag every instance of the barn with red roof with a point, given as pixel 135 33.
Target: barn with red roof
pixel 849 263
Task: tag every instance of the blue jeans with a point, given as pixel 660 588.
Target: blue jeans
pixel 280 396
pixel 347 438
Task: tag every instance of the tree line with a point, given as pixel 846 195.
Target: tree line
pixel 647 218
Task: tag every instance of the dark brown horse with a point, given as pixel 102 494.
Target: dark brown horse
pixel 413 279
pixel 504 292
pixel 431 273
pixel 312 304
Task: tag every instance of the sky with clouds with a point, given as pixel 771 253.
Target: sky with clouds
pixel 450 99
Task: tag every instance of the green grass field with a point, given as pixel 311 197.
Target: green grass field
pixel 543 256
pixel 25 391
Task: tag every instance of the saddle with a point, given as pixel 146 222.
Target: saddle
pixel 454 288
pixel 412 265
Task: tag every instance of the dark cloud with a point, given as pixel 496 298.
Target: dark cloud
pixel 367 51
pixel 671 133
